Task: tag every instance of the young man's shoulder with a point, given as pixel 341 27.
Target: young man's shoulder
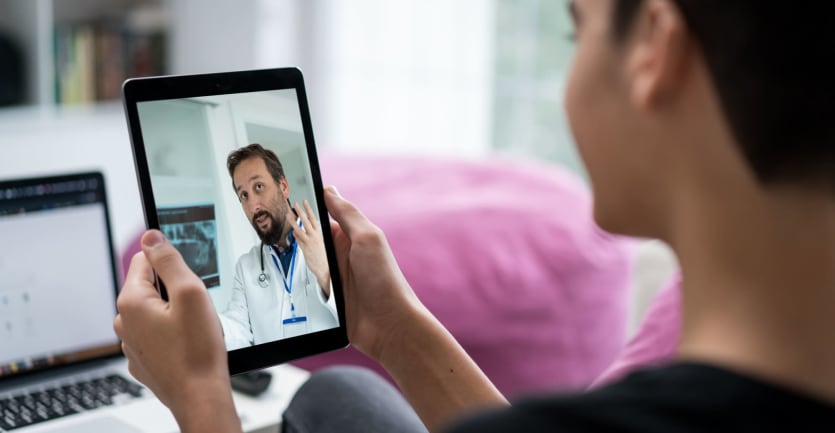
pixel 677 398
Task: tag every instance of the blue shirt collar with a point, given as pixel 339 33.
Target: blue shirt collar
pixel 291 240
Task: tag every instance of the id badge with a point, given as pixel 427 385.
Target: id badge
pixel 296 319
pixel 294 326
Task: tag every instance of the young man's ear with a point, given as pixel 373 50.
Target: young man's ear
pixel 656 54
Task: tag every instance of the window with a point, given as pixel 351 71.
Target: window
pixel 464 78
pixel 533 52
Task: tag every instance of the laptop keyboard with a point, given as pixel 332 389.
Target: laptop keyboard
pixel 49 403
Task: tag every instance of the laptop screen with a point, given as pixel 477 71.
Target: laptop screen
pixel 57 273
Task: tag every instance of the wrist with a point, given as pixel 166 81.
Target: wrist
pixel 415 322
pixel 206 406
pixel 324 280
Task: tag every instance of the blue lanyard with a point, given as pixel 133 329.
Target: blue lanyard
pixel 289 287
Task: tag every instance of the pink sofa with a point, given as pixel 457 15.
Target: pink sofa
pixel 506 255
pixel 657 338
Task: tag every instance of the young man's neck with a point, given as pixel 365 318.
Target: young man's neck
pixel 759 284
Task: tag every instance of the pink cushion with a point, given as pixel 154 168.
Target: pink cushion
pixel 657 338
pixel 506 255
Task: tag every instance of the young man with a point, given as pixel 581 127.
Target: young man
pixel 705 123
pixel 282 285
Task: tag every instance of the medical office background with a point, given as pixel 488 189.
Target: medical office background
pixel 465 79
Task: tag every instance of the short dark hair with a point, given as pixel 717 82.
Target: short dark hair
pixel 771 64
pixel 255 150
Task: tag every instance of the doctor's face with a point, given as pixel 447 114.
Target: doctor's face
pixel 264 201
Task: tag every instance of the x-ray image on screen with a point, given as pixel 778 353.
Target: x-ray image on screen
pixel 193 231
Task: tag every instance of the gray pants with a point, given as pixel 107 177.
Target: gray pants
pixel 348 400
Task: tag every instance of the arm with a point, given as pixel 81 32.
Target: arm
pixel 388 323
pixel 328 302
pixel 237 331
pixel 175 347
pixel 436 375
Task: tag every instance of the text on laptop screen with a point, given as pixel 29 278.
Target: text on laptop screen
pixel 58 287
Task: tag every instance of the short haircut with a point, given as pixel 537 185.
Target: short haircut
pixel 255 150
pixel 771 64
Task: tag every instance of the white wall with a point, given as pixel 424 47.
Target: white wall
pixel 212 35
pixel 46 142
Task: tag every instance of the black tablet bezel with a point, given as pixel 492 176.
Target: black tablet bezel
pixel 189 86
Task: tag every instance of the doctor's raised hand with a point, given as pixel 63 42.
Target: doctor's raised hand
pixel 175 347
pixel 309 237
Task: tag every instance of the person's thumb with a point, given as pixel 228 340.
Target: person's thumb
pixel 349 217
pixel 175 274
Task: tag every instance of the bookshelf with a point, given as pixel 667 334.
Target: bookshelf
pixel 79 51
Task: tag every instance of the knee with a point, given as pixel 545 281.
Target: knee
pixel 338 383
pixel 333 398
pixel 344 376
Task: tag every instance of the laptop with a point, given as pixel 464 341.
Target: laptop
pixel 61 367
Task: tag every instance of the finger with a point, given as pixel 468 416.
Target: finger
pixel 117 327
pixel 140 269
pixel 314 224
pixel 139 284
pixel 341 241
pixel 335 228
pixel 349 217
pixel 129 353
pixel 172 269
pixel 342 244
pixel 306 225
pixel 134 366
pixel 298 232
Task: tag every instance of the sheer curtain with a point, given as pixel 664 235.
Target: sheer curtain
pixel 406 76
pixel 533 50
pixel 463 78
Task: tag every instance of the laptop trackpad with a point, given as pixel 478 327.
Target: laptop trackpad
pixel 96 425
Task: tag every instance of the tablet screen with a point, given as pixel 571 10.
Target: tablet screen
pixel 234 190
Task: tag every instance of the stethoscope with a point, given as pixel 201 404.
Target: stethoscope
pixel 264 277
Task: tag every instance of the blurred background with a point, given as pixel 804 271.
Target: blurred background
pixel 465 78
pixel 468 79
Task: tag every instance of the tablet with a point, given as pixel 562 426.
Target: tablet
pixel 228 170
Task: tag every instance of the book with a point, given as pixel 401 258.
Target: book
pixel 94 57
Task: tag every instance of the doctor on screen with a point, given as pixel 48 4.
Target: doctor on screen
pixel 282 285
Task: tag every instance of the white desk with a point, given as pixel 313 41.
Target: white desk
pixel 263 413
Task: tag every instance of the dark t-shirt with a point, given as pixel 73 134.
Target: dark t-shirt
pixel 678 398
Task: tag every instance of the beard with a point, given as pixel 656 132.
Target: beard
pixel 271 236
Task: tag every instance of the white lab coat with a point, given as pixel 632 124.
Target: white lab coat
pixel 255 314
